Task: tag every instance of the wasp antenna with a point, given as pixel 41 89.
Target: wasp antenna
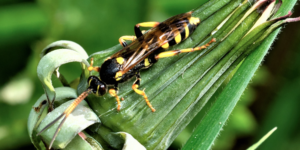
pixel 50 124
pixel 56 132
pixel 77 101
pixel 66 113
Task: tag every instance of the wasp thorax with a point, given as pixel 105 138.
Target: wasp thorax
pixel 108 71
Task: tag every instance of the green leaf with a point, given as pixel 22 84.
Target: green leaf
pixel 209 128
pixel 87 144
pixel 67 45
pixel 256 145
pixel 78 120
pixel 51 62
pixel 178 87
pixel 38 112
pixel 124 141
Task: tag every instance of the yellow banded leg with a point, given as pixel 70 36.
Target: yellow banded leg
pixel 90 68
pixel 176 52
pixel 126 37
pixel 147 24
pixel 135 87
pixel 137 30
pixel 113 92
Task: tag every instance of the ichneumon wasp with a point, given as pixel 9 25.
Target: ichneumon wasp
pixel 144 50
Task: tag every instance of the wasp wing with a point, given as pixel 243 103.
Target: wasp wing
pixel 147 47
pixel 152 41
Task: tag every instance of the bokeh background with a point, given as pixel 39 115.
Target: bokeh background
pixel 27 26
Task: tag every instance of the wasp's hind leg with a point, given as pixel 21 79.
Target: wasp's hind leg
pixel 123 39
pixel 176 52
pixel 135 87
pixel 127 38
pixel 137 30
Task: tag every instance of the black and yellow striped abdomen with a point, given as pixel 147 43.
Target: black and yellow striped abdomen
pixel 173 31
pixel 180 35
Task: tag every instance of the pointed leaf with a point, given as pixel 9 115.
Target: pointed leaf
pixel 213 122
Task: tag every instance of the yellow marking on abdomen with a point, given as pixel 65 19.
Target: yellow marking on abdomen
pixel 147 63
pixel 120 60
pixel 178 38
pixel 165 46
pixel 194 20
pixel 187 31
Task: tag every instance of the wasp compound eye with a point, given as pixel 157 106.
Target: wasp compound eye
pixel 96 85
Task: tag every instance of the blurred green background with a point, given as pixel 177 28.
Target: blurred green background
pixel 27 26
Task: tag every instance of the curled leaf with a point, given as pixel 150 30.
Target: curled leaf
pixel 78 120
pixel 85 144
pixel 50 62
pixel 66 45
pixel 35 117
pixel 125 141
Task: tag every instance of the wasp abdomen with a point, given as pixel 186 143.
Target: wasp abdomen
pixel 178 29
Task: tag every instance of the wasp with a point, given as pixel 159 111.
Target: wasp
pixel 144 50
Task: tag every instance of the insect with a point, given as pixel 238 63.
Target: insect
pixel 144 50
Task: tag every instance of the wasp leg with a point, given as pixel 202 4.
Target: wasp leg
pixel 137 30
pixel 126 37
pixel 176 52
pixel 114 92
pixel 135 86
pixel 91 67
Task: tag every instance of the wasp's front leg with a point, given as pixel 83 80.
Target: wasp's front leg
pixel 135 87
pixel 114 92
pixel 91 67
